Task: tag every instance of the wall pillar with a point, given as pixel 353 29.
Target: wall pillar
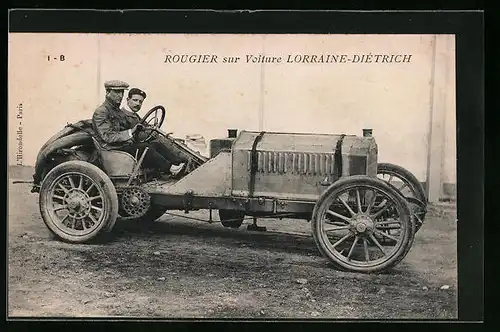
pixel 438 107
pixel 262 87
pixel 99 86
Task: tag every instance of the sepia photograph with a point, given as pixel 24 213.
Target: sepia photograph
pixel 232 176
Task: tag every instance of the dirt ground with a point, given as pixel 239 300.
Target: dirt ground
pixel 191 269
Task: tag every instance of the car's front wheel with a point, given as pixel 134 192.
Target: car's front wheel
pixel 78 202
pixel 349 221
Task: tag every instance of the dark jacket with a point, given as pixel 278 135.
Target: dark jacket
pixel 112 125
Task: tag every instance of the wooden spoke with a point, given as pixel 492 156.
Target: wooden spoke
pixel 58 197
pixel 347 206
pixel 365 246
pixel 71 182
pixel 90 187
pixel 63 187
pixel 96 208
pixel 386 235
pixel 59 208
pixel 403 186
pixel 94 220
pixel 352 247
pixel 358 200
pixel 341 228
pixel 63 219
pixel 388 224
pixel 334 223
pixel 335 214
pixel 370 204
pixel 73 224
pixel 342 240
pixel 379 212
pixel 377 243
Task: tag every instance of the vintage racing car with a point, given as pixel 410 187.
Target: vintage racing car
pixel 363 214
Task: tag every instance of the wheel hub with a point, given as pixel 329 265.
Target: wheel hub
pixel 77 203
pixel 361 227
pixel 362 224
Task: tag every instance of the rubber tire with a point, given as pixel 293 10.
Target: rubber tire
pixel 394 194
pixel 226 217
pixel 417 187
pixel 99 177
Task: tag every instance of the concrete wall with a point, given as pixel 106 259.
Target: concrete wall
pixel 395 99
pixel 52 92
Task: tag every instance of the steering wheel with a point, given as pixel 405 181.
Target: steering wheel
pixel 153 120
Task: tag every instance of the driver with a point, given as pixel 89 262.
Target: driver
pixel 116 127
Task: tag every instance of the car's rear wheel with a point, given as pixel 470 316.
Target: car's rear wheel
pixel 349 220
pixel 231 218
pixel 78 202
pixel 409 186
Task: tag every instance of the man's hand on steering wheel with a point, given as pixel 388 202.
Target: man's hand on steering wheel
pixel 148 134
pixel 152 121
pixel 137 128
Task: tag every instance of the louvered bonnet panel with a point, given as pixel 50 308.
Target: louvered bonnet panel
pixel 293 163
pixel 291 166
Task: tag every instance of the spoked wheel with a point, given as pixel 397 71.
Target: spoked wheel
pixel 230 218
pixel 349 220
pixel 409 186
pixel 78 202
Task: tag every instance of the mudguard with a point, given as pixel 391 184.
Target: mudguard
pixel 71 135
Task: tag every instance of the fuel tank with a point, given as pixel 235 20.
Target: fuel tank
pixel 222 144
pixel 297 165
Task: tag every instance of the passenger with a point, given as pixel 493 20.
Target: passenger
pixel 116 127
pixel 134 102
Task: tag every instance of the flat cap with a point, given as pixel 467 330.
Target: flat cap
pixel 136 91
pixel 116 85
